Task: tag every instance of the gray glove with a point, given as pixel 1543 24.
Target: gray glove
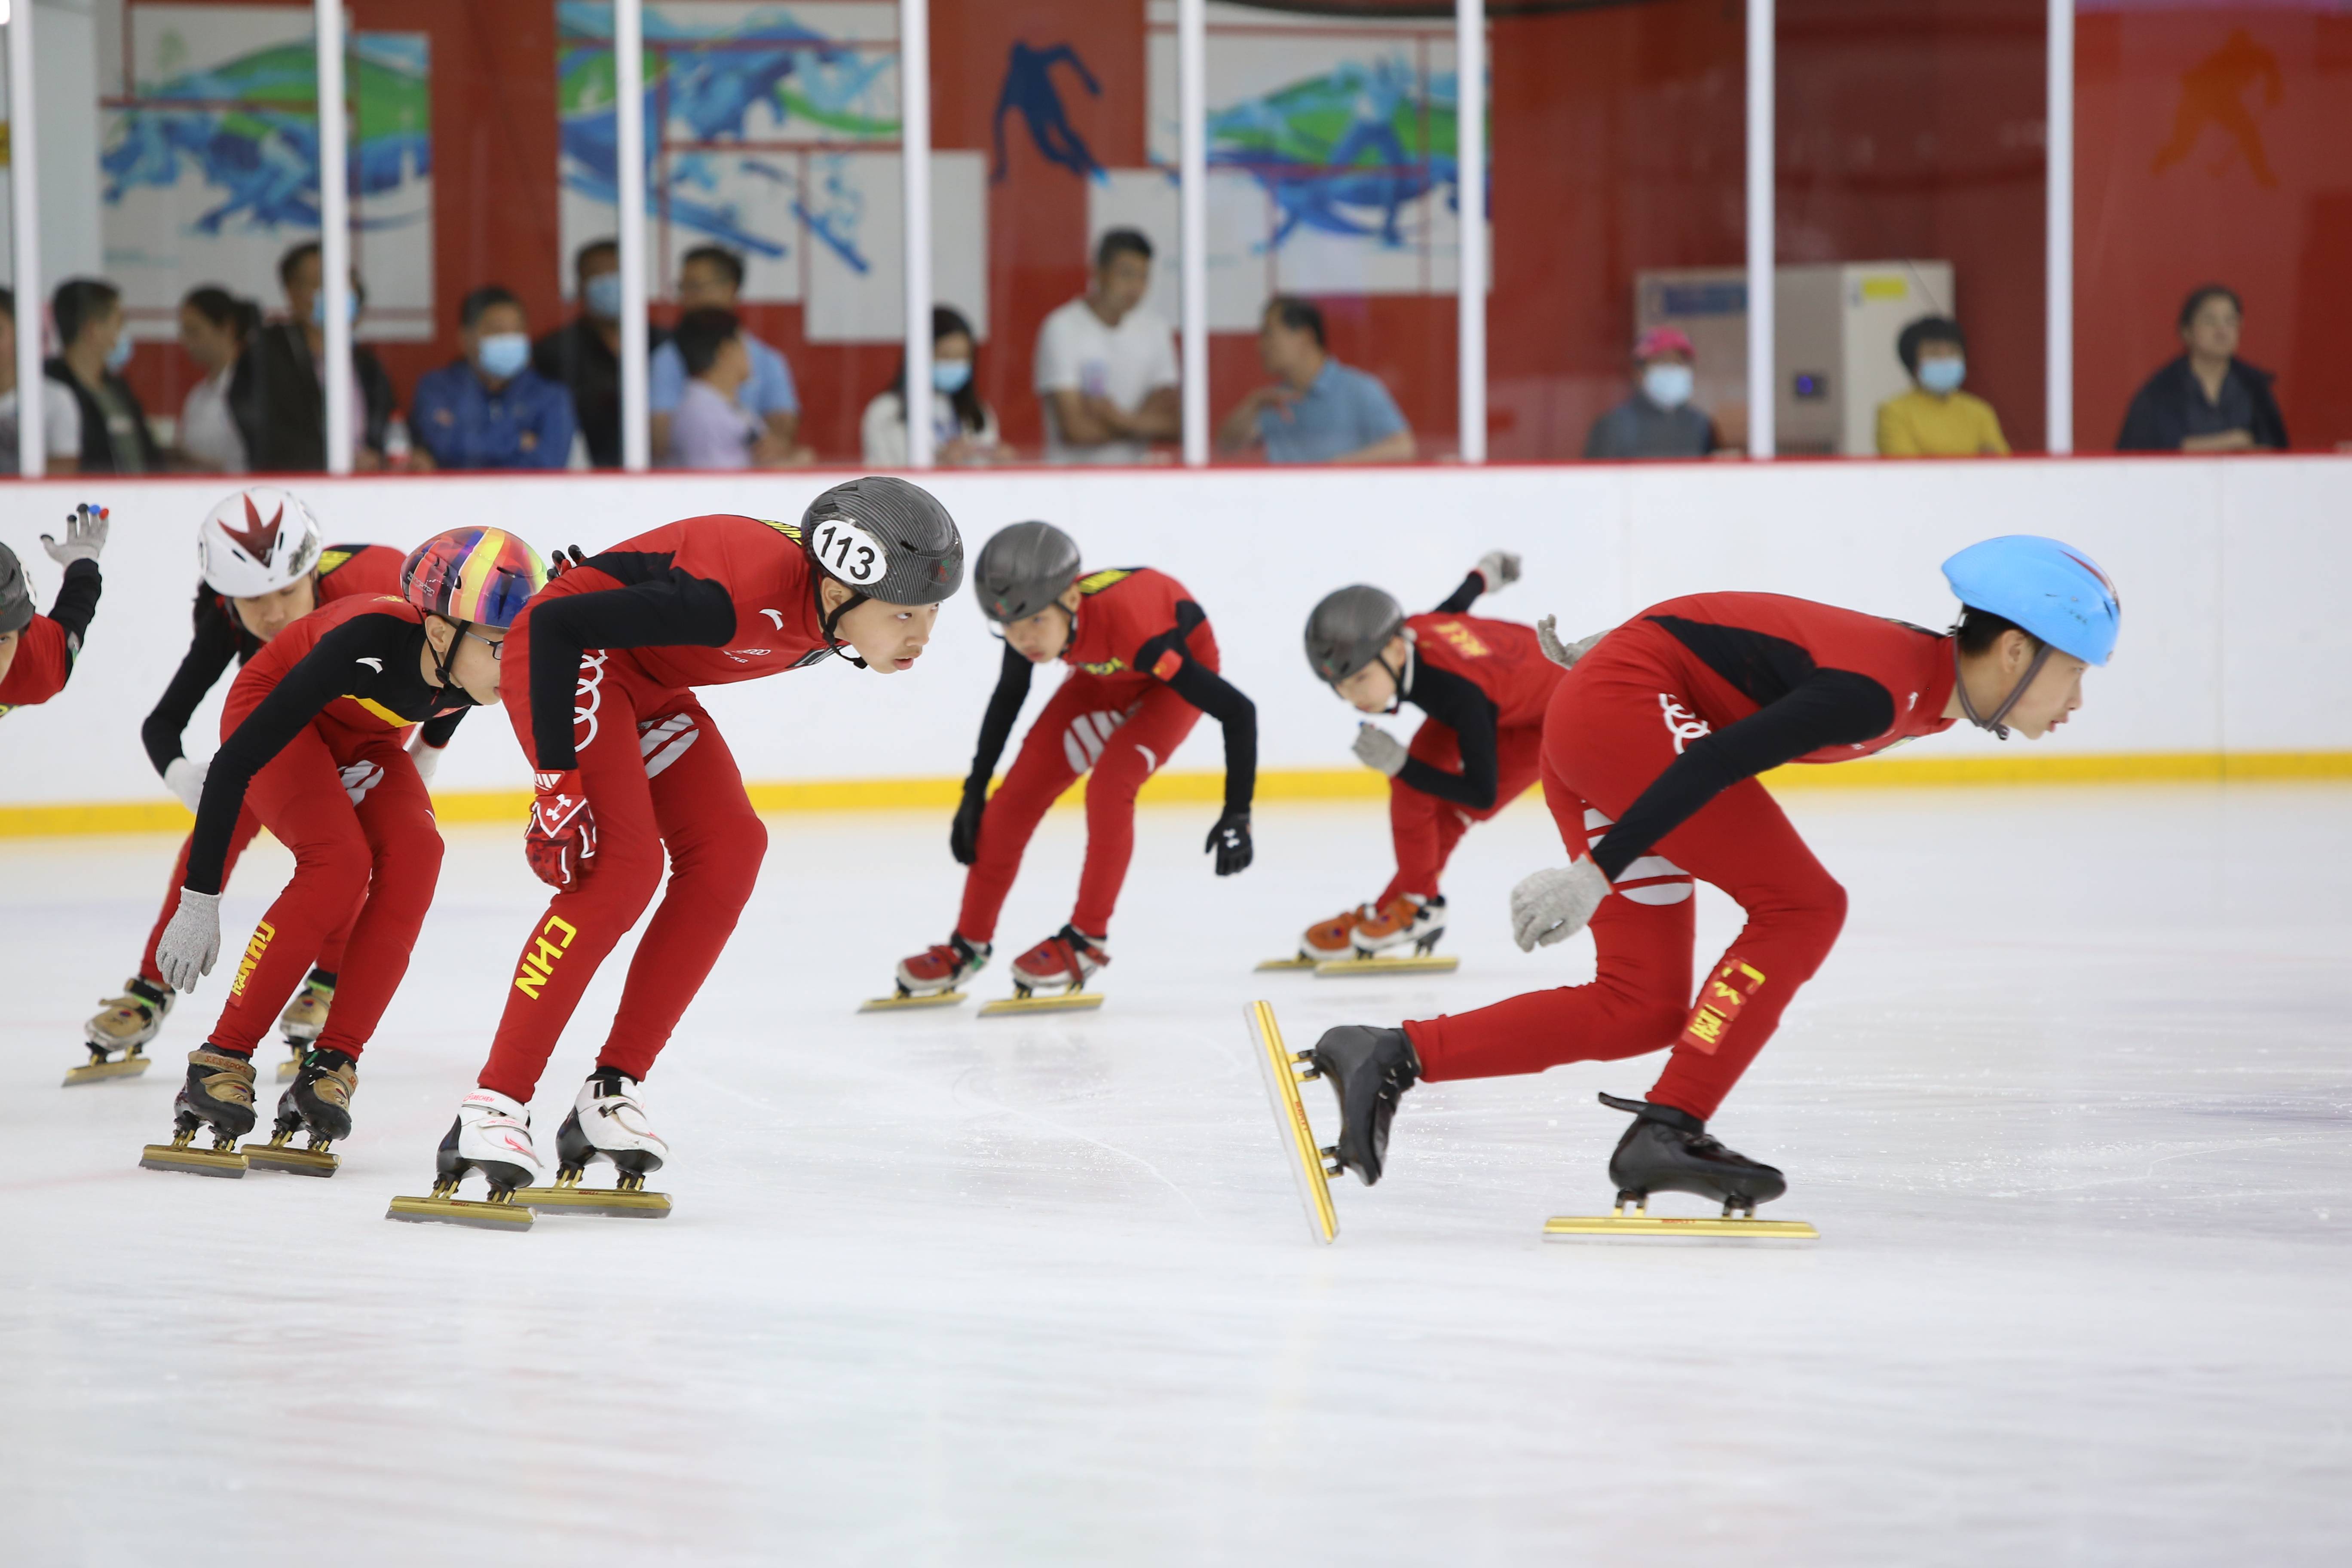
pixel 1498 567
pixel 186 780
pixel 85 536
pixel 1555 903
pixel 1378 749
pixel 191 943
pixel 1548 638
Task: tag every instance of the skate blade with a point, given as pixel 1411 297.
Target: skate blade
pixel 595 1200
pixel 1280 1070
pixel 294 1161
pixel 897 1003
pixel 100 1072
pixel 192 1162
pixel 1356 968
pixel 286 1069
pixel 1271 964
pixel 1564 1225
pixel 1063 1002
pixel 490 1216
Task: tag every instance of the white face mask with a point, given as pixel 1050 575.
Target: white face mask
pixel 1668 386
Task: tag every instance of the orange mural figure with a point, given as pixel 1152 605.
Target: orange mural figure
pixel 2212 92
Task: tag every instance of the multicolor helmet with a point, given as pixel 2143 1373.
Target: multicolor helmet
pixel 478 575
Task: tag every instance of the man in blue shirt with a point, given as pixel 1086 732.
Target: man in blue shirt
pixel 490 409
pixel 711 278
pixel 1317 410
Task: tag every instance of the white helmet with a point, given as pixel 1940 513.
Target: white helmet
pixel 256 541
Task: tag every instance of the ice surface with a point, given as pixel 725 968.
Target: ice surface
pixel 2071 1104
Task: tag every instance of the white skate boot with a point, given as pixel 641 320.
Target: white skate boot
pixel 492 1135
pixel 607 1122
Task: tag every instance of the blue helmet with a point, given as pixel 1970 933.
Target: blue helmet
pixel 2050 589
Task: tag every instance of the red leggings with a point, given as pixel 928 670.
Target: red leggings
pixel 659 779
pixel 1605 737
pixel 331 951
pixel 1427 828
pixel 1089 724
pixel 380 859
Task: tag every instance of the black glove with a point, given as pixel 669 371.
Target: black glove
pixel 963 839
pixel 1230 838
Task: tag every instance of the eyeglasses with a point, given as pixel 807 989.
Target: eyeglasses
pixel 497 649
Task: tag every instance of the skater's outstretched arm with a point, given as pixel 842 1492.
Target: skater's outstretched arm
pixel 664 607
pixel 1456 702
pixel 208 655
pixel 1210 692
pixel 1004 707
pixel 1495 569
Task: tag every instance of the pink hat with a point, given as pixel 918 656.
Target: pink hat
pixel 1663 341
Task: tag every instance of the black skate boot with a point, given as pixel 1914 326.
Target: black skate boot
pixel 1370 1070
pixel 219 1094
pixel 1669 1151
pixel 319 1103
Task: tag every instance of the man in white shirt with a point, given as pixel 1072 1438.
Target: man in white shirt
pixel 1106 366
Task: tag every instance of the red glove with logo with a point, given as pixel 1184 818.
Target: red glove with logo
pixel 562 838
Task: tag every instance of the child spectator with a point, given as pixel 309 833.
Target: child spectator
pixel 1935 419
pixel 710 429
pixel 711 278
pixel 1659 420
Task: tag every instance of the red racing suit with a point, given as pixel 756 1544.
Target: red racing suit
pixel 48 645
pixel 1650 748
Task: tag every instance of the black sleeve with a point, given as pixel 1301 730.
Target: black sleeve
pixel 208 654
pixel 1210 692
pixel 77 601
pixel 1462 597
pixel 1829 708
pixel 437 730
pixel 1004 707
pixel 2144 425
pixel 1456 702
pixel 668 609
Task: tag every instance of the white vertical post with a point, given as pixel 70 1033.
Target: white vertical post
pixel 629 191
pixel 1761 298
pixel 32 449
pixel 2058 284
pixel 1193 200
pixel 915 158
pixel 1470 185
pixel 335 234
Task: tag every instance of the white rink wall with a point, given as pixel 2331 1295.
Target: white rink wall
pixel 2231 570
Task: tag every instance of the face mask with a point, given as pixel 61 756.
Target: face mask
pixel 1668 386
pixel 319 309
pixel 949 375
pixel 503 354
pixel 119 355
pixel 603 296
pixel 1942 376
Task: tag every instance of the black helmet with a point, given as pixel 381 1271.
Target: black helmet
pixel 1022 569
pixel 1348 630
pixel 16 593
pixel 885 539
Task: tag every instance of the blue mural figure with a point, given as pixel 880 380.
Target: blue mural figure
pixel 1029 91
pixel 1328 155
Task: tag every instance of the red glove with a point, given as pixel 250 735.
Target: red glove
pixel 562 838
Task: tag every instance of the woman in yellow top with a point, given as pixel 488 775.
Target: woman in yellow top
pixel 1935 419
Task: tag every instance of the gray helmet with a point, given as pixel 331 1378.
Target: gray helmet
pixel 16 593
pixel 1022 569
pixel 887 539
pixel 1348 630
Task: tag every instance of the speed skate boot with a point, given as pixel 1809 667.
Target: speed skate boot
pixel 935 976
pixel 1670 1151
pixel 119 1033
pixel 1407 918
pixel 607 1122
pixel 1327 941
pixel 1065 961
pixel 492 1135
pixel 318 1103
pixel 219 1094
pixel 1370 1070
pixel 305 1019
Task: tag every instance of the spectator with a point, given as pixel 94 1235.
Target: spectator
pixel 60 414
pixel 1659 420
pixel 290 377
pixel 584 354
pixel 218 419
pixel 2208 400
pixel 490 409
pixel 963 428
pixel 1935 419
pixel 1317 410
pixel 114 435
pixel 712 428
pixel 711 278
pixel 1107 365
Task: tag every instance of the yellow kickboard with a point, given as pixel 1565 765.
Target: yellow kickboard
pixel 1066 1001
pixel 1563 1226
pixel 1280 1069
pixel 895 1003
pixel 1273 963
pixel 229 1162
pixel 595 1200
pixel 494 1214
pixel 100 1072
pixel 292 1161
pixel 1354 968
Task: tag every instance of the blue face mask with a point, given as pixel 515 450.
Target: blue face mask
pixel 1942 376
pixel 949 375
pixel 503 355
pixel 119 355
pixel 1668 386
pixel 602 295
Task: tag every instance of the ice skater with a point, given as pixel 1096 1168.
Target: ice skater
pixel 37 651
pixel 311 740
pixel 1651 746
pixel 1143 669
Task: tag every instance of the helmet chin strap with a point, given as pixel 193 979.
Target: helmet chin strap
pixel 441 662
pixel 1993 721
pixel 1400 680
pixel 833 620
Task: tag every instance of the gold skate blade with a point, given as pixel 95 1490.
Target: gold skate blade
pixel 1561 1226
pixel 1063 1002
pixel 1356 968
pixel 596 1200
pixel 292 1161
pixel 1271 964
pixel 191 1161
pixel 287 1068
pixel 1299 1150
pixel 98 1072
pixel 491 1215
pixel 897 1003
